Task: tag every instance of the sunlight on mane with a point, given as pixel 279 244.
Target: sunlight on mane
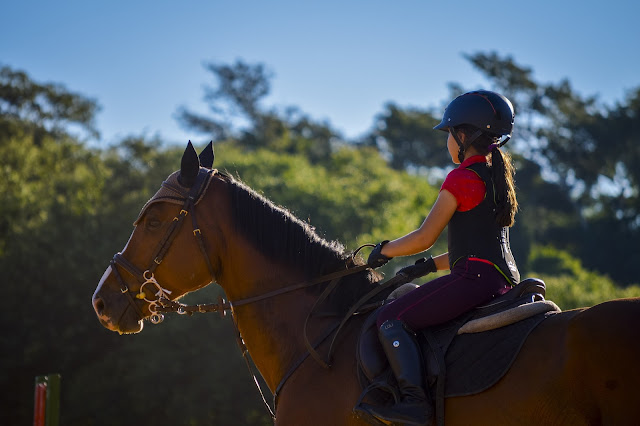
pixel 279 234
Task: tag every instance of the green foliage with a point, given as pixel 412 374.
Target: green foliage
pixel 50 196
pixel 407 137
pixel 356 198
pixel 66 209
pixel 237 93
pixel 43 188
pixel 591 151
pixel 47 108
pixel 237 114
pixel 570 285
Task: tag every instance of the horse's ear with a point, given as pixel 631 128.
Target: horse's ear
pixel 189 167
pixel 206 156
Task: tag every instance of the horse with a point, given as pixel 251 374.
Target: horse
pixel 579 367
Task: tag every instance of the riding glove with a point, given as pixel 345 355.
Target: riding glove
pixel 376 258
pixel 421 268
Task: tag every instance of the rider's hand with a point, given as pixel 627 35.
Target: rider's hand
pixel 376 258
pixel 421 268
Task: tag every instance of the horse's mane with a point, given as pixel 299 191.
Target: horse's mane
pixel 285 239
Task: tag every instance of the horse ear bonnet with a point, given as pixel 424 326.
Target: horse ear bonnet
pixel 189 166
pixel 206 156
pixel 172 191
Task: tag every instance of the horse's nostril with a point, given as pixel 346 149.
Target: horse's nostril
pixel 98 305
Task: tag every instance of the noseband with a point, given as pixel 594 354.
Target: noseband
pixel 147 278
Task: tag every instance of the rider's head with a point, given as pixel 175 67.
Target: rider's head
pixel 484 120
pixel 483 116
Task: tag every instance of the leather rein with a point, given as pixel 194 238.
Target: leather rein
pixel 162 303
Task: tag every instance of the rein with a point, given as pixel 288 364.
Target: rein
pixel 166 305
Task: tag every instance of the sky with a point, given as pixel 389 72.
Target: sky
pixel 337 61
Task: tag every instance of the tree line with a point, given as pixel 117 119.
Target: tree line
pixel 589 197
pixel 66 207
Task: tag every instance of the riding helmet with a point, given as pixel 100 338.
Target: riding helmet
pixel 486 110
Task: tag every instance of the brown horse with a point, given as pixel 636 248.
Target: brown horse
pixel 580 367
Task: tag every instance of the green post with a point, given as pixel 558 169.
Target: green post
pixel 49 406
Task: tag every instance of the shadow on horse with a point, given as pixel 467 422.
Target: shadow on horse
pixel 579 367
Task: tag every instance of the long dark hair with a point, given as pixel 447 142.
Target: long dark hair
pixel 502 174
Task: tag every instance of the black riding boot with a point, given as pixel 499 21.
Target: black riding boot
pixel 404 357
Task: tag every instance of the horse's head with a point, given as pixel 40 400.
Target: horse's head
pixel 165 255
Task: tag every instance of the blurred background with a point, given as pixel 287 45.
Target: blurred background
pixel 326 109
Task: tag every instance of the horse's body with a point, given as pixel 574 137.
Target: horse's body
pixel 578 367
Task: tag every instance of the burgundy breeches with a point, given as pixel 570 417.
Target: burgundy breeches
pixel 471 283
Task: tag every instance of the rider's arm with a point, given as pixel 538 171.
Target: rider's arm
pixel 424 237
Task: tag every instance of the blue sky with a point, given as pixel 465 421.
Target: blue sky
pixel 339 61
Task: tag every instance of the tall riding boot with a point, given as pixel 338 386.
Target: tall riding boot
pixel 414 407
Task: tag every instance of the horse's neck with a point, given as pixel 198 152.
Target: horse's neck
pixel 271 328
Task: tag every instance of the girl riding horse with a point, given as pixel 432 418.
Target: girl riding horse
pixel 477 202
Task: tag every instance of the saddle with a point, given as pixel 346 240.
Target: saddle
pixel 464 356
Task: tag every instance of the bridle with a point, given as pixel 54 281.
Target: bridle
pixel 147 278
pixel 162 302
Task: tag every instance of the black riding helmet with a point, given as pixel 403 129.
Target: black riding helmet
pixel 487 111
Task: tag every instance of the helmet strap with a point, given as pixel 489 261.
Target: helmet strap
pixel 461 146
pixel 504 141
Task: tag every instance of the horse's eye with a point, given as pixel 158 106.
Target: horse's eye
pixel 153 224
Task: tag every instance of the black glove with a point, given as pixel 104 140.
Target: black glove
pixel 376 258
pixel 421 268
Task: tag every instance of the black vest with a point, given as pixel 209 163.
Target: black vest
pixel 475 233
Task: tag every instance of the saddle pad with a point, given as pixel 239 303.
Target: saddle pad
pixel 475 362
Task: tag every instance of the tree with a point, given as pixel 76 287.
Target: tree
pixel 237 113
pixel 50 192
pixel 407 137
pixel 354 198
pixel 593 151
pixel 240 88
pixel 581 141
pixel 569 284
pixel 43 108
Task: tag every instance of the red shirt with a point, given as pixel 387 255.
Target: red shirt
pixel 466 185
